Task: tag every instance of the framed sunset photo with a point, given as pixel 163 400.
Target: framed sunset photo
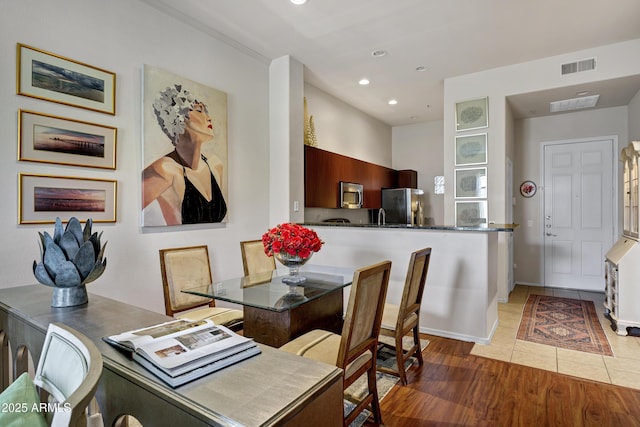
pixel 52 139
pixel 42 198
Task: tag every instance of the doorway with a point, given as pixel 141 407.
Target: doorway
pixel 579 211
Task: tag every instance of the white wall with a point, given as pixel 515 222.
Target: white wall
pixel 616 60
pixel 286 126
pixel 342 129
pixel 419 147
pixel 121 36
pixel 634 118
pixel 530 134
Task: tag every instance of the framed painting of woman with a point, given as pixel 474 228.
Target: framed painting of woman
pixel 184 176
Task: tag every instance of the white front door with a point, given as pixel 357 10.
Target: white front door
pixel 578 212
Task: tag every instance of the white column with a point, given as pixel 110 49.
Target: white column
pixel 286 150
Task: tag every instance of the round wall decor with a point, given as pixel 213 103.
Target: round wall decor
pixel 528 189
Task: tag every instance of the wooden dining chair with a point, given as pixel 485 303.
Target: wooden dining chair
pixel 188 267
pixel 355 349
pixel 399 321
pixel 254 260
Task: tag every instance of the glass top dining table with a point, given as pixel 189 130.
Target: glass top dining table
pixel 267 290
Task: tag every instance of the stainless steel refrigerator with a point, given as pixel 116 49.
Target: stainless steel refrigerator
pixel 403 206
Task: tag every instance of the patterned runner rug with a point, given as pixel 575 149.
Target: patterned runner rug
pixel 563 322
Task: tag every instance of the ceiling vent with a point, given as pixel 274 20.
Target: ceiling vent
pixel 579 66
pixel 574 104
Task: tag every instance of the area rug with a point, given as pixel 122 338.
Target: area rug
pixel 563 322
pixel 384 382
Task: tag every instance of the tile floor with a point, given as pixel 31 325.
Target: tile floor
pixel 623 369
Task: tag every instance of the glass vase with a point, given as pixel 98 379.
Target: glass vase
pixel 293 263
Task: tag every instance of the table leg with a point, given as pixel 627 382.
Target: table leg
pixel 277 328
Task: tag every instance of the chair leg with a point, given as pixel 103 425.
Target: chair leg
pixel 373 389
pixel 416 340
pixel 400 358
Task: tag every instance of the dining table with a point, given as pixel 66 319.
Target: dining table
pixel 276 312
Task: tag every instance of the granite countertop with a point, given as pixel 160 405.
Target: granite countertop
pixel 490 227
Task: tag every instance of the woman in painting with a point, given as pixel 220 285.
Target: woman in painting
pixel 185 183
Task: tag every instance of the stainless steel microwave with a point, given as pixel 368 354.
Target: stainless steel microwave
pixel 351 195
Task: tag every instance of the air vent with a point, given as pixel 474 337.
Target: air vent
pixel 579 66
pixel 574 104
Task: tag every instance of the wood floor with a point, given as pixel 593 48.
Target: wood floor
pixel 455 388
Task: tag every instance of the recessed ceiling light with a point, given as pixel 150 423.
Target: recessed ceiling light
pixel 392 102
pixel 298 2
pixel 421 68
pixel 364 82
pixel 378 53
pixel 583 93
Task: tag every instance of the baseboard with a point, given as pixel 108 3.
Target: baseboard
pixel 459 337
pixel 519 282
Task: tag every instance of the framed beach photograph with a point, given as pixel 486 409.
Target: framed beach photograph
pixel 471 183
pixel 54 78
pixel 473 114
pixel 471 149
pixel 42 198
pixel 51 139
pixel 471 213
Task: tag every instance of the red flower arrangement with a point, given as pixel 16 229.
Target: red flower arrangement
pixel 292 239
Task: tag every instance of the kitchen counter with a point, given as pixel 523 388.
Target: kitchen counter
pixel 490 227
pixel 465 281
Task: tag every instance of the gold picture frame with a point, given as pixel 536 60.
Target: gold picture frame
pixel 46 138
pixel 472 114
pixel 42 198
pixel 45 75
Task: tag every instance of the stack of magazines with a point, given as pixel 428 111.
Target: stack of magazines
pixel 183 350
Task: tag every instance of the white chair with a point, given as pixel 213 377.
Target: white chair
pixel 68 371
pixel 188 267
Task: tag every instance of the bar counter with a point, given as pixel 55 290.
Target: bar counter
pixel 490 227
pixel 467 275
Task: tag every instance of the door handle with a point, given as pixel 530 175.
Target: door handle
pixel 551 235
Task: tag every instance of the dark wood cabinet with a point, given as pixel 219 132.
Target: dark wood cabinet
pixel 407 178
pixel 324 170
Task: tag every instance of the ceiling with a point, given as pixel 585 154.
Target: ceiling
pixel 335 39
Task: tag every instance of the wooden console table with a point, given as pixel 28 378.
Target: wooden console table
pixel 273 388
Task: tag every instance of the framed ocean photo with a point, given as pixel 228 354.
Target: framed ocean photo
pixel 54 78
pixel 46 138
pixel 42 198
